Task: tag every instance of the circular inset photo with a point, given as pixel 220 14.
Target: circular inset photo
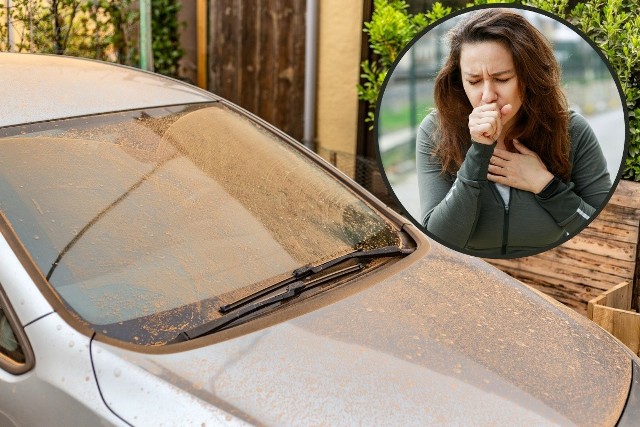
pixel 501 131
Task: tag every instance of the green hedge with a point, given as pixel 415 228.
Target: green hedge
pixel 613 25
pixel 165 27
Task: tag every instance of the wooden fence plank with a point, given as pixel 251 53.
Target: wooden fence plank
pixel 609 230
pixel 267 78
pixel 256 60
pixel 626 327
pixel 618 297
pixel 573 295
pixel 627 194
pixel 569 272
pixel 251 51
pixel 603 317
pixel 605 247
pixel 611 310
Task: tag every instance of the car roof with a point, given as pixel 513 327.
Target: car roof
pixel 47 87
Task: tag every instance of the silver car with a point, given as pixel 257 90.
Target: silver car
pixel 166 258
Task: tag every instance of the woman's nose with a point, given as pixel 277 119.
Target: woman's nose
pixel 489 93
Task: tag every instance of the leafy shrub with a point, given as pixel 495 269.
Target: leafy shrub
pixel 98 29
pixel 613 25
pixel 166 36
pixel 391 28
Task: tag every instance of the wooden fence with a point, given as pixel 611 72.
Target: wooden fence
pixel 256 58
pixel 612 311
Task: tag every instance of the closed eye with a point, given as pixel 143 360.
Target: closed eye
pixel 475 82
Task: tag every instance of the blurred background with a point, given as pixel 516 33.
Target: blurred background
pixel 408 97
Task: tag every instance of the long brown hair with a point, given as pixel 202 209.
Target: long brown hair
pixel 542 121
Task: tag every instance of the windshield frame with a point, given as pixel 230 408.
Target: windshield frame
pixel 392 218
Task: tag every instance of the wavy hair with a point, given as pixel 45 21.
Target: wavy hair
pixel 542 121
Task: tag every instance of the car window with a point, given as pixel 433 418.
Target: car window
pixel 15 353
pixel 169 211
pixel 9 345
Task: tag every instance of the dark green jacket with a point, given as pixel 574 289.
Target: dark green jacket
pixel 467 212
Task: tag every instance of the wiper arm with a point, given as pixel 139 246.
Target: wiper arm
pixel 307 270
pixel 294 289
pixel 294 286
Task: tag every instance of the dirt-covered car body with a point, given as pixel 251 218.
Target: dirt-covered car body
pixel 168 259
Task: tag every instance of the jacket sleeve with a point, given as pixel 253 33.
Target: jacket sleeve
pixel 449 208
pixel 572 204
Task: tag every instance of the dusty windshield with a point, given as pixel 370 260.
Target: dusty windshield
pixel 171 210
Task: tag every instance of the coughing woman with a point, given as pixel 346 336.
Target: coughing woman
pixel 505 169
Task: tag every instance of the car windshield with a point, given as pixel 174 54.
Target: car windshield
pixel 135 214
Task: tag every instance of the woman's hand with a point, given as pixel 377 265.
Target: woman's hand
pixel 485 122
pixel 523 170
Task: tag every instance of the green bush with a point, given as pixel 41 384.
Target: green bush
pixel 391 28
pixel 166 36
pixel 99 29
pixel 613 25
pixel 103 29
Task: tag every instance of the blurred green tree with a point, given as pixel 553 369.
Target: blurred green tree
pixel 107 30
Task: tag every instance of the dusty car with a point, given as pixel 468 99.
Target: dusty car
pixel 166 258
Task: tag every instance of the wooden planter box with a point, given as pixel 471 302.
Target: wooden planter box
pixel 612 311
pixel 603 255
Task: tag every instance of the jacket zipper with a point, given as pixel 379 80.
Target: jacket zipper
pixel 505 217
pixel 505 228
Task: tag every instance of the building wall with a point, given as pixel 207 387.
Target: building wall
pixel 340 37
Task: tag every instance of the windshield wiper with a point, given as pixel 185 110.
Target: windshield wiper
pixel 307 270
pixel 293 290
pixel 294 286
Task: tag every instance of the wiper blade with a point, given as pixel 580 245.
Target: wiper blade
pixel 294 286
pixel 307 270
pixel 293 289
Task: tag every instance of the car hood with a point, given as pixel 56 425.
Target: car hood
pixel 441 338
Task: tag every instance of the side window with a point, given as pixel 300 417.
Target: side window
pixel 9 345
pixel 16 356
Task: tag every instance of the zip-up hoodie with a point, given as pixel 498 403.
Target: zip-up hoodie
pixel 466 212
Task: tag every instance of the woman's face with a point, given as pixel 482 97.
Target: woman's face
pixel 489 76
